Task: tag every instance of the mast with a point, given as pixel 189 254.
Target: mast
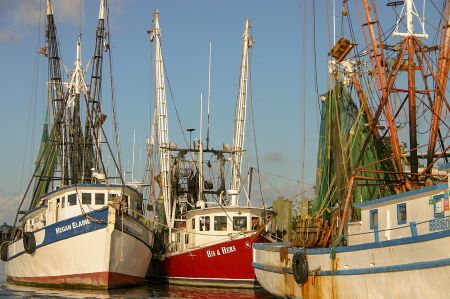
pixel 441 85
pixel 209 95
pixel 51 153
pixel 76 86
pixel 200 154
pixel 95 119
pixel 240 116
pixel 55 86
pixel 384 80
pixel 162 120
pixel 413 64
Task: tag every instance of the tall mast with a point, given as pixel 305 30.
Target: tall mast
pixel 414 61
pixel 162 120
pixel 56 92
pixel 92 154
pixel 441 85
pixel 209 95
pixel 240 116
pixel 410 39
pixel 200 153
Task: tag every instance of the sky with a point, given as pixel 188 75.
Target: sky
pixel 283 79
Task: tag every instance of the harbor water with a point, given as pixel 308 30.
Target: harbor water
pixel 149 290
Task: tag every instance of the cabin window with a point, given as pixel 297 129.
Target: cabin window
pixel 112 196
pixel 193 223
pixel 177 238
pixel 99 198
pixel 401 213
pixel 255 223
pixel 438 206
pixel 139 206
pixel 239 223
pixel 204 223
pixel 63 202
pixel 220 223
pixel 86 198
pixel 374 219
pixel 72 199
pixel 186 239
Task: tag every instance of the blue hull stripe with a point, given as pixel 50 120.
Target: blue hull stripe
pixel 69 228
pixel 373 245
pixel 361 271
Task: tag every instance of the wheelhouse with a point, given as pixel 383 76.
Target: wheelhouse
pixel 75 200
pixel 207 226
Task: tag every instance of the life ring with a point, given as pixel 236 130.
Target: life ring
pixel 4 251
pixel 300 267
pixel 29 243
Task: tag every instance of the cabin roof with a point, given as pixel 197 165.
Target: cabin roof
pixel 224 209
pixel 398 197
pixel 105 186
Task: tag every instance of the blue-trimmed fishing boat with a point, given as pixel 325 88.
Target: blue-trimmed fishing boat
pixel 379 225
pixel 81 228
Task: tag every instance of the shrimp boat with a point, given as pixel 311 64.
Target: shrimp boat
pixel 380 227
pixel 206 237
pixel 81 229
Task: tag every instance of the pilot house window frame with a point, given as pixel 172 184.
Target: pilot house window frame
pixel 240 223
pixel 99 198
pixel 401 213
pixel 86 198
pixel 220 223
pixel 71 199
pixel 205 223
pixel 373 216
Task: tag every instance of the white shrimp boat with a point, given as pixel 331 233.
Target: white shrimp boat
pixel 80 230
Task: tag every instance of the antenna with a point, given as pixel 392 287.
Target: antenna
pixel 209 95
pixel 200 160
pixel 410 10
pixel 132 163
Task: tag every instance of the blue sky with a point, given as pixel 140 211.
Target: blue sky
pixel 282 76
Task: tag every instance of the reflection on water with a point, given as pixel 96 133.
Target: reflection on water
pixel 150 290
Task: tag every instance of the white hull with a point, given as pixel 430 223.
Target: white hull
pixel 414 267
pixel 100 257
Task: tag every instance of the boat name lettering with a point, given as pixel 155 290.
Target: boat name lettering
pixel 64 228
pixel 73 225
pixel 223 250
pixel 212 253
pixel 228 249
pixel 81 223
pixel 439 224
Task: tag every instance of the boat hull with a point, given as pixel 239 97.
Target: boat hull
pixel 94 255
pixel 413 267
pixel 224 264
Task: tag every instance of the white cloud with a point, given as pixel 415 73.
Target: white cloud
pixel 9 36
pixel 27 12
pixel 16 16
pixel 68 11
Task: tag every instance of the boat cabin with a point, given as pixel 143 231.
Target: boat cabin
pixel 207 226
pixel 408 214
pixel 75 200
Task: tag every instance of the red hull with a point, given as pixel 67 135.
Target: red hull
pixel 98 280
pixel 220 264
